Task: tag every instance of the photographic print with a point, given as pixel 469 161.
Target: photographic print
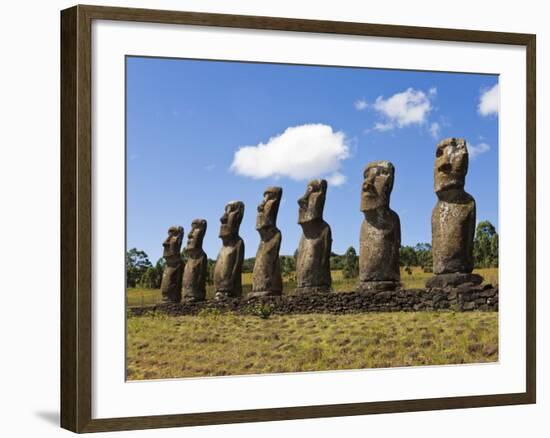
pixel 295 218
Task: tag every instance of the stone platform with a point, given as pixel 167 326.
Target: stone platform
pixel 480 298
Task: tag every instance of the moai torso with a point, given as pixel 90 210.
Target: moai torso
pixel 228 269
pixel 379 249
pixel 172 275
pixel 380 237
pixel 196 268
pixel 453 228
pixel 194 277
pixel 313 261
pixel 227 273
pixel 266 276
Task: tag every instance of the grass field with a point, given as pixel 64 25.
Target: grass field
pixel 213 344
pixel 417 279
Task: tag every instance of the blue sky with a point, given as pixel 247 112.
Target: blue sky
pixel 188 120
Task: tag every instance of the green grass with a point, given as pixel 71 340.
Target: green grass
pixel 144 297
pixel 214 344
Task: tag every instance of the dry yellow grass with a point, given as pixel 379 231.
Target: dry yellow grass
pixel 212 344
pixel 417 279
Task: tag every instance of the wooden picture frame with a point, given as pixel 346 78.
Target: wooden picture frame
pixel 76 217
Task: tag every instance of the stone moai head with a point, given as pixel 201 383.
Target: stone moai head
pixel 172 244
pixel 377 185
pixel 196 235
pixel 231 219
pixel 268 208
pixel 313 201
pixel 451 165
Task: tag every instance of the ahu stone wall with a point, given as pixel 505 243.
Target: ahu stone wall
pixel 478 298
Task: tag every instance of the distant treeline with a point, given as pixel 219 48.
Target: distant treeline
pixel 140 272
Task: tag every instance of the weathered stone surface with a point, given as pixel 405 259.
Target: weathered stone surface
pixel 313 261
pixel 454 215
pixel 400 300
pixel 266 276
pixel 227 272
pixel 377 286
pixel 196 268
pixel 380 237
pixel 454 280
pixel 171 277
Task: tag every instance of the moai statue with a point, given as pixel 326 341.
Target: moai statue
pixel 171 277
pixel 227 272
pixel 380 237
pixel 266 277
pixel 196 267
pixel 453 218
pixel 313 261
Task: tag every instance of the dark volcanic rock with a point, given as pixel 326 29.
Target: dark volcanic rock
pixel 380 237
pixel 341 302
pixel 453 280
pixel 196 268
pixel 229 264
pixel 266 276
pixel 172 274
pixel 313 261
pixel 454 215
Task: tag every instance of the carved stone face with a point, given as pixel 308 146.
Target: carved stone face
pixel 172 244
pixel 196 235
pixel 268 208
pixel 313 201
pixel 451 164
pixel 231 219
pixel 377 185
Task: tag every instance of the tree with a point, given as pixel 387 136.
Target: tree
pixel 137 263
pixel 424 256
pixel 407 256
pixel 351 263
pixel 288 268
pixel 210 273
pixel 485 245
pixel 152 277
pixel 288 265
pixel 418 255
pixel 336 262
pixel 248 264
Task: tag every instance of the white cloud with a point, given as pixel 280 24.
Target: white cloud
pixel 361 104
pixel 488 101
pixel 432 91
pixel 434 129
pixel 383 126
pixel 299 153
pixel 209 167
pixel 336 179
pixel 475 150
pixel 402 109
